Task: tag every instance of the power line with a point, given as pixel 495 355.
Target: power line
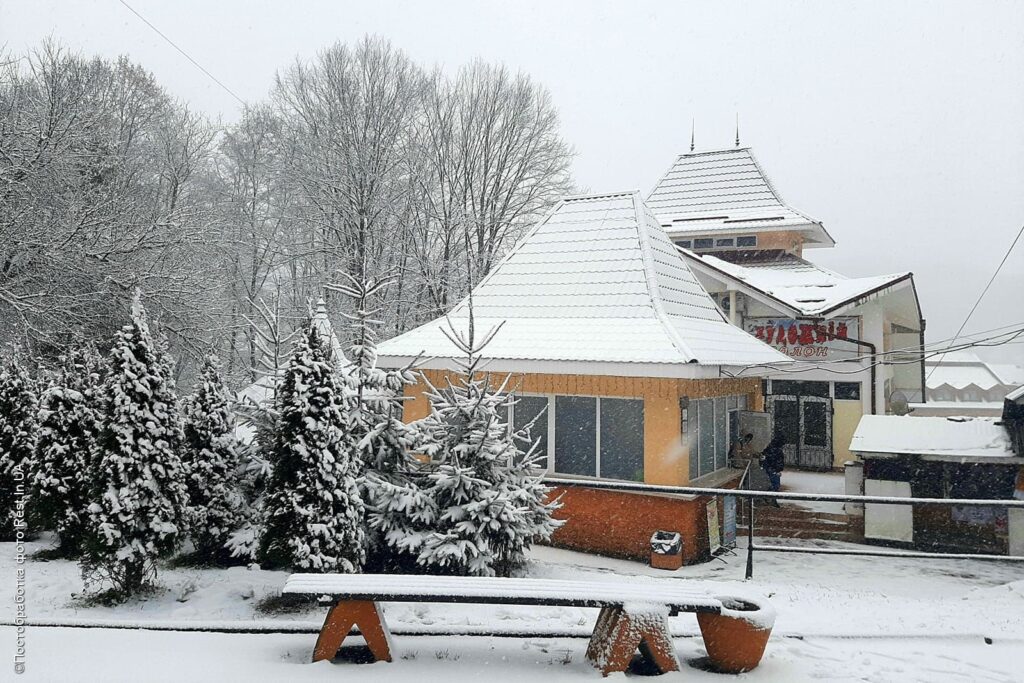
pixel 983 292
pixel 185 54
pixel 921 354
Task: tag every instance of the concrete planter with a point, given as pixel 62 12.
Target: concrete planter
pixel 736 638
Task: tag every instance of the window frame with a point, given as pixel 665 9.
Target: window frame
pixel 691 409
pixel 847 386
pixel 550 464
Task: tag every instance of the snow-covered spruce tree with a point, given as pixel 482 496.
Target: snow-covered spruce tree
pixel 398 510
pixel 68 430
pixel 17 441
pixel 253 474
pixel 491 507
pixel 211 459
pixel 313 511
pixel 138 508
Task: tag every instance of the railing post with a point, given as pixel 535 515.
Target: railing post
pixel 750 538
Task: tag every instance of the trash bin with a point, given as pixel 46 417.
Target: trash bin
pixel 666 550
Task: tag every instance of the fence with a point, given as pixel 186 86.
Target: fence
pixel 752 496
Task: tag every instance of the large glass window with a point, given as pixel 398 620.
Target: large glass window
pixel 530 413
pixel 622 439
pixel 576 435
pixel 721 433
pixel 706 435
pixel 709 427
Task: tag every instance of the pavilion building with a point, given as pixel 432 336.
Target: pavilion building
pixel 623 359
pixel 857 341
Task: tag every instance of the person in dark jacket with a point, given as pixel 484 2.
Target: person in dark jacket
pixel 773 461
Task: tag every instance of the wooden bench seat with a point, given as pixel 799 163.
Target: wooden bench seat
pixel 634 614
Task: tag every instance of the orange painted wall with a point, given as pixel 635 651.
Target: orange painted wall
pixel 666 459
pixel 614 523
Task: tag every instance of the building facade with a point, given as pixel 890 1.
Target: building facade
pixel 855 342
pixel 620 360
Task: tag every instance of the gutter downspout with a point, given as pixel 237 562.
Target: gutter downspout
pixel 924 378
pixel 873 350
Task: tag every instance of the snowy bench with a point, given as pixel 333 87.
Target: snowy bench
pixel 633 615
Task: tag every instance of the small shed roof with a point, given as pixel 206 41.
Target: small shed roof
pixel 805 288
pixel 934 438
pixel 726 191
pixel 597 282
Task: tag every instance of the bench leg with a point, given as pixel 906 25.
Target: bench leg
pixel 620 631
pixel 339 622
pixel 602 632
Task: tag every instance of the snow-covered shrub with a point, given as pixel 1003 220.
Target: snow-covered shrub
pixel 17 441
pixel 211 460
pixel 313 509
pixel 253 475
pixel 397 509
pixel 68 430
pixel 490 506
pixel 138 501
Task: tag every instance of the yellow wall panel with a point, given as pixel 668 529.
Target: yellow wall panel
pixel 845 418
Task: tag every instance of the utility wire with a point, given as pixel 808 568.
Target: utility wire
pixel 185 54
pixel 983 293
pixel 796 368
pixel 930 349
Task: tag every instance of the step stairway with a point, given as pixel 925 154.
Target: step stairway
pixel 791 520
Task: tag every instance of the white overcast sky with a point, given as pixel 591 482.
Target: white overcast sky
pixel 898 125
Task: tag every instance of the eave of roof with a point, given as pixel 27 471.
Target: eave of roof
pixel 792 307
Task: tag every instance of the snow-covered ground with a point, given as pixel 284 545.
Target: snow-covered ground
pixel 840 618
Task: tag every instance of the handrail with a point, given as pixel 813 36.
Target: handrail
pixel 752 496
pixel 634 487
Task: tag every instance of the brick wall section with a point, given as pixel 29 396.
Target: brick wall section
pixel 620 524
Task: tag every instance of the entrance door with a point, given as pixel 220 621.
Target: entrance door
pixel 803 416
pixel 815 432
pixel 785 412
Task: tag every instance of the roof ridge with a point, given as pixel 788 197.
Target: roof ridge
pixel 653 286
pixel 597 195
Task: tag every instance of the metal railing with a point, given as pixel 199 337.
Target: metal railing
pixel 752 496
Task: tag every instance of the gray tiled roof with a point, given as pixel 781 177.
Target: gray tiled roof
pixel 596 281
pixel 725 191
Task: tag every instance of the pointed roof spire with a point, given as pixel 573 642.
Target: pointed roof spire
pixel 693 124
pixel 325 330
pixel 737 129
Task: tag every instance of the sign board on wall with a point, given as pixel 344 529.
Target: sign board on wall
pixel 729 521
pixel 714 535
pixel 806 339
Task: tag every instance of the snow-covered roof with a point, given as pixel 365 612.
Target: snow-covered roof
pixel 596 281
pixel 726 191
pixel 959 370
pixel 1017 395
pixel 803 287
pixel 935 438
